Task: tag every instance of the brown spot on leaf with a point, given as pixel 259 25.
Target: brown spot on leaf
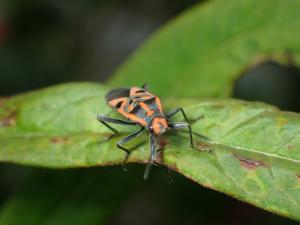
pixel 281 121
pixel 162 141
pixel 218 105
pixel 58 140
pixel 159 156
pixel 3 100
pixel 173 167
pixel 298 176
pixel 8 120
pixel 108 135
pixel 203 146
pixel 291 147
pixel 249 163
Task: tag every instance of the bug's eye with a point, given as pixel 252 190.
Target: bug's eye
pixel 118 105
pixel 140 91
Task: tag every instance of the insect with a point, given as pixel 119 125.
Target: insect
pixel 142 108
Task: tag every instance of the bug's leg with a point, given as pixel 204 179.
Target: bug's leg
pixel 152 148
pixel 127 139
pixel 145 86
pixel 152 155
pixel 168 173
pixel 105 120
pixel 174 111
pixel 181 125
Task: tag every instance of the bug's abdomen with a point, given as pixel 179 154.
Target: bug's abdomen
pixel 146 109
pixel 135 104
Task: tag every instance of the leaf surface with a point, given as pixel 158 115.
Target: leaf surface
pixel 251 150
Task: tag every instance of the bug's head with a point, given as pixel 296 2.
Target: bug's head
pixel 158 125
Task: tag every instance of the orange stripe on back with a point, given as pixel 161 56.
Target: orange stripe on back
pixel 115 102
pixel 158 104
pixel 133 117
pixel 146 108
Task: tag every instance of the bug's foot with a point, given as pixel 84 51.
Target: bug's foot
pixel 115 134
pixel 125 161
pixel 170 180
pixel 107 137
pixel 192 146
pixel 124 167
pixel 194 120
pixel 124 164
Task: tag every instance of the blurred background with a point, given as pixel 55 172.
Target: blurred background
pixel 47 42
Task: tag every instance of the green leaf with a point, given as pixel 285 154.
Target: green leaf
pixel 206 49
pixel 57 127
pixel 252 150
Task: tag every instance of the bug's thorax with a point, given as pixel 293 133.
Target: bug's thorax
pixel 158 125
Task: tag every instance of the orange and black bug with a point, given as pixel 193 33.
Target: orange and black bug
pixel 144 109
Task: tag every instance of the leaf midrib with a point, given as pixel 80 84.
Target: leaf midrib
pixel 210 142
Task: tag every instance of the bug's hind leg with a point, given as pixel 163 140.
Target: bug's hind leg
pixel 127 139
pixel 152 156
pixel 105 120
pixel 182 125
pixel 170 180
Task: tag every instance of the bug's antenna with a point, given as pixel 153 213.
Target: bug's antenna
pixel 146 86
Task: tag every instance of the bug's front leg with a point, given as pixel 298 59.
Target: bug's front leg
pixel 152 155
pixel 127 139
pixel 105 120
pixel 181 125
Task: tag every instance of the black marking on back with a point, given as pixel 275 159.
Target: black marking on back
pixel 118 105
pixel 136 109
pixel 140 91
pixel 150 100
pixel 117 93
